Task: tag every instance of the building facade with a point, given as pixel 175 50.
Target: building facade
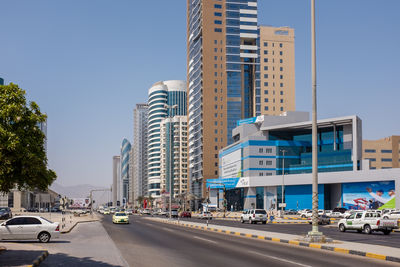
pixel 116 180
pixel 124 185
pixel 174 155
pixel 166 99
pixel 277 67
pixel 224 83
pixel 383 153
pixel 270 147
pixel 139 152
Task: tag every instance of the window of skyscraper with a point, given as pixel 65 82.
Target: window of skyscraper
pixel 218 30
pixel 217 14
pixel 281 100
pixel 265 67
pixel 280 60
pixel 280 45
pixel 265 52
pixel 265 100
pixel 219 22
pixel 280 53
pixel 386 151
pixel 265 108
pixel 265 59
pixel 266 84
pixel 281 108
pixel 217 6
pixel 265 43
pixel 266 92
pixel 281 92
pixel 281 68
pixel 386 160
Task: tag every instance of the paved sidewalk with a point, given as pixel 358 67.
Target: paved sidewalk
pixel 373 251
pixel 19 254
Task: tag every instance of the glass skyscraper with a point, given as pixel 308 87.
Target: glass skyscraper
pixel 166 99
pixel 125 149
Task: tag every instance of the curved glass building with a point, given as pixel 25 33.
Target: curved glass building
pixel 166 99
pixel 125 149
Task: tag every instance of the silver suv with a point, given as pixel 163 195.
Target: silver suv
pixel 254 216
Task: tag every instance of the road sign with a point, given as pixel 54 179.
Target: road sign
pixel 282 205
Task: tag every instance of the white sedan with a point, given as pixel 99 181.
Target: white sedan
pixel 29 228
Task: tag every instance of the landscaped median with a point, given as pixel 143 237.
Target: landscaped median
pixel 365 250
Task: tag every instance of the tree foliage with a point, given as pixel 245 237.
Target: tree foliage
pixel 23 159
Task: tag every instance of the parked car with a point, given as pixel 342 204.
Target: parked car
pixel 29 228
pixel 368 222
pixel 254 216
pixel 206 215
pixel 146 211
pixel 174 213
pixel 306 214
pixel 336 214
pixel 322 219
pixel 129 212
pixel 394 215
pixel 341 210
pixel 5 213
pixel 290 212
pixel 328 213
pixel 185 214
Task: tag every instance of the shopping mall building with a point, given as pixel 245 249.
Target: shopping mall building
pixel 271 151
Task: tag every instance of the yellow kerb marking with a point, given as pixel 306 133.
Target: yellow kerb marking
pixel 260 237
pixel 376 256
pixel 248 235
pixel 237 233
pixel 315 246
pixel 219 230
pixel 341 250
pixel 294 242
pixel 275 239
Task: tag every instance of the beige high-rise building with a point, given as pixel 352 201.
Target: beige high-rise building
pixel 382 153
pixel 277 70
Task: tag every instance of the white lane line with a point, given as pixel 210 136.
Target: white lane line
pixel 279 259
pixel 207 240
pixel 167 229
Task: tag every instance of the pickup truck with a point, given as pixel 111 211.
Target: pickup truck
pixel 368 222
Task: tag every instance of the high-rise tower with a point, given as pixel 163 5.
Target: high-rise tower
pixel 125 150
pixel 166 99
pixel 223 79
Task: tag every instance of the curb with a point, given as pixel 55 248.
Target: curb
pixel 73 226
pixel 40 259
pixel 294 242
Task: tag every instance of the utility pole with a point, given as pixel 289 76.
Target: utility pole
pixel 314 235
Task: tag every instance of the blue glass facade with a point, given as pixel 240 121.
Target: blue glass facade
pixel 125 149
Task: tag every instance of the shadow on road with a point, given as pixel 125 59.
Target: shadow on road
pixel 19 257
pixel 61 259
pixel 35 241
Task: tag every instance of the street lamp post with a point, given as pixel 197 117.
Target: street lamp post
pixel 170 158
pixel 314 235
pixel 283 180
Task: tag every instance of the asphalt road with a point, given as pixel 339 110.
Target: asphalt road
pixel 147 243
pixel 378 238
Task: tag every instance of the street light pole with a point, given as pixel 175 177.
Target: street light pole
pixel 283 180
pixel 314 235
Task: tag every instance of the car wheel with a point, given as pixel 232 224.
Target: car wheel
pixel 387 232
pixel 386 217
pixel 241 220
pixel 342 228
pixel 264 222
pixel 367 229
pixel 303 216
pixel 44 237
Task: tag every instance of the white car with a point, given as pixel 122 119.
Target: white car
pixel 336 214
pixel 395 215
pixel 306 214
pixel 29 228
pixel 254 216
pixel 367 221
pixel 206 215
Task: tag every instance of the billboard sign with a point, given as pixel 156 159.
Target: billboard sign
pixel 231 164
pixel 369 195
pixel 80 203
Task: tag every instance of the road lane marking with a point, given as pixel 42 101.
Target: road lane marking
pixel 204 239
pixel 279 259
pixel 167 229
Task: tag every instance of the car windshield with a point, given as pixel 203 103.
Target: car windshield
pixel 261 212
pixel 120 214
pixel 3 209
pixel 44 219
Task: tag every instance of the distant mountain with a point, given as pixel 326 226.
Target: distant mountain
pixel 82 191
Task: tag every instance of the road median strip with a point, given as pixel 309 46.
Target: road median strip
pixel 40 259
pixel 292 242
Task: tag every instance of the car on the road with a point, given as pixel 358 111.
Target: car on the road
pixel 5 213
pixel 254 216
pixel 306 213
pixel 395 215
pixel 106 212
pixel 206 215
pixel 336 214
pixel 368 222
pixel 322 219
pixel 129 211
pixel 120 217
pixel 174 213
pixel 29 228
pixel 185 214
pixel 146 211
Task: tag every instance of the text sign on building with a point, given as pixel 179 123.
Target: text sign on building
pixel 231 164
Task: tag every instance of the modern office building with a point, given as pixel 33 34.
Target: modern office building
pixel 223 73
pixel 139 152
pixel 116 178
pixel 125 150
pixel 382 153
pixel 174 163
pixel 272 150
pixel 166 99
pixel 277 69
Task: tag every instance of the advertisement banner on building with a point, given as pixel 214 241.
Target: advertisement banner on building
pixel 369 195
pixel 80 203
pixel 231 164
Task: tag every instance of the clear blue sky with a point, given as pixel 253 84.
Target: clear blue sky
pixel 87 63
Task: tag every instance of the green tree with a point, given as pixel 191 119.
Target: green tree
pixel 23 160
